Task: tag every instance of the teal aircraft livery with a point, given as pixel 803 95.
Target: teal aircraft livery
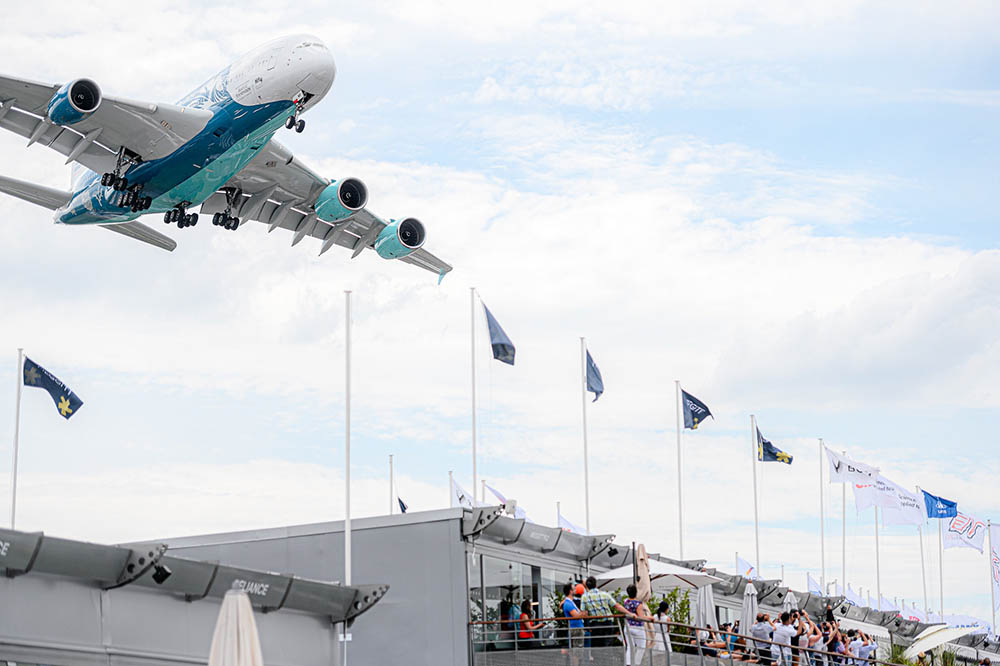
pixel 213 149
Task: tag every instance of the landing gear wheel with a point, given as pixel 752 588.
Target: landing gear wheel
pixel 121 183
pixel 289 122
pixel 192 219
pixel 107 179
pixel 299 126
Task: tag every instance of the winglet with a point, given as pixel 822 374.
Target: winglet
pixel 441 276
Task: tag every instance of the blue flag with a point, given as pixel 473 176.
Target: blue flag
pixel 66 401
pixel 695 411
pixel 768 452
pixel 939 507
pixel 402 505
pixel 503 348
pixel 595 384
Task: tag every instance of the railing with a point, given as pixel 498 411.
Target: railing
pixel 608 641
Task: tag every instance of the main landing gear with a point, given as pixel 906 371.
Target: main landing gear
pixel 181 217
pixel 225 219
pixel 292 122
pixel 131 197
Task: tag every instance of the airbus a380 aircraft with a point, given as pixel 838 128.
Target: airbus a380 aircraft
pixel 214 148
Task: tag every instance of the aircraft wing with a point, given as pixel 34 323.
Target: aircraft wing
pixel 280 191
pixel 145 129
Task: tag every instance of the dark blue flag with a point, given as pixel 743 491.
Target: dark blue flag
pixel 402 505
pixel 503 348
pixel 768 452
pixel 595 383
pixel 695 411
pixel 66 401
pixel 939 507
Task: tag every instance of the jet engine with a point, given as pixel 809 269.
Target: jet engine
pixel 340 199
pixel 74 101
pixel 400 238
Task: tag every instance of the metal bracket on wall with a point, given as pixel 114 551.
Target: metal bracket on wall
pixel 208 586
pixel 601 544
pixel 138 563
pixel 479 519
pixel 14 573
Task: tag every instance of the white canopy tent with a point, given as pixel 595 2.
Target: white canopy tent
pixel 934 636
pixel 662 576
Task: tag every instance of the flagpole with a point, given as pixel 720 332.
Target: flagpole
pixel 19 377
pixel 583 393
pixel 843 528
pixel 451 488
pixel 558 515
pixel 347 452
pixel 941 564
pixel 472 319
pixel 482 490
pixel 680 493
pixel 753 464
pixel 822 520
pixel 878 560
pixel 923 568
pixel 391 498
pixel 989 562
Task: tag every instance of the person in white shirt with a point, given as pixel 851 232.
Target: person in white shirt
pixel 783 634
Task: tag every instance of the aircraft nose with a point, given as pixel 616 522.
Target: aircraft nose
pixel 316 61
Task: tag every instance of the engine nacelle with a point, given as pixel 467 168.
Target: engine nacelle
pixel 340 199
pixel 400 238
pixel 74 101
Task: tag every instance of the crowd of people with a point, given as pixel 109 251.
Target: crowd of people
pixel 589 619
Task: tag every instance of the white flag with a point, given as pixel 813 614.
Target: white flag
pixel 911 509
pixel 459 497
pixel 845 470
pixel 519 513
pixel 995 562
pixel 853 597
pixel 880 492
pixel 813 585
pixel 914 614
pixel 570 527
pixel 965 531
pixel 747 570
pixel 888 605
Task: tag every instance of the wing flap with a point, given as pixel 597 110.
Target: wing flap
pixel 141 232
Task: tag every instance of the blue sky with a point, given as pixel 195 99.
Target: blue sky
pixel 791 209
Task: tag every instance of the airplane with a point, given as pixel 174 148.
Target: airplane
pixel 213 149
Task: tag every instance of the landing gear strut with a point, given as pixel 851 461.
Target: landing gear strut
pixel 180 215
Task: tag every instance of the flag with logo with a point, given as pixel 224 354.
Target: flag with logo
pixel 853 596
pixel 519 513
pixel 768 452
pixel 939 507
pixel 36 376
pixel 965 531
pixel 570 527
pixel 878 492
pixel 813 585
pixel 910 511
pixel 503 348
pixel 845 470
pixel 461 498
pixel 595 383
pixel 995 562
pixel 746 569
pixel 695 411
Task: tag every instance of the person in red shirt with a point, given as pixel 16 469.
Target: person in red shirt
pixel 526 636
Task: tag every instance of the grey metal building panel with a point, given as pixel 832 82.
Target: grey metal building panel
pixel 422 619
pixel 66 622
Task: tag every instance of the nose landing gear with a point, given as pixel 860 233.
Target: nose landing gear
pixel 297 125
